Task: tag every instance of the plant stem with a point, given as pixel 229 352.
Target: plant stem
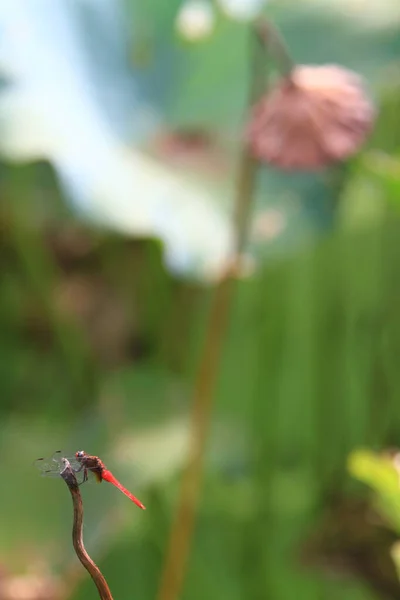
pixel 273 41
pixel 203 394
pixel 77 537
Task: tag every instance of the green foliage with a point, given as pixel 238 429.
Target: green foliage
pixel 379 473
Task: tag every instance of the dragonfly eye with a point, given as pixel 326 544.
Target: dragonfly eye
pixel 80 454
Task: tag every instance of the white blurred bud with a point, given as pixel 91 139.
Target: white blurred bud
pixel 195 19
pixel 241 10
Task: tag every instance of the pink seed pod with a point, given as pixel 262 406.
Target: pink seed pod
pixel 311 118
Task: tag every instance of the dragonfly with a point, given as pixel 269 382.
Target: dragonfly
pixel 84 466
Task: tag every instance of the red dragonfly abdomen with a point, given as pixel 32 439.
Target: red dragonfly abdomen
pixel 108 476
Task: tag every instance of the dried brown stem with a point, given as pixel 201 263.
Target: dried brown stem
pixel 77 537
pixel 204 385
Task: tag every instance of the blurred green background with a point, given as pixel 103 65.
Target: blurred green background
pixel 99 345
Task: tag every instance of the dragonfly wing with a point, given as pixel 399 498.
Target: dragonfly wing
pixel 76 466
pixel 52 467
pixel 48 466
pixel 49 473
pixel 82 475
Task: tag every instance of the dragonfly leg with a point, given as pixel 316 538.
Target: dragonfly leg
pixel 85 474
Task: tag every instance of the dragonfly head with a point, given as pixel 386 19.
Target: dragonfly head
pixel 80 454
